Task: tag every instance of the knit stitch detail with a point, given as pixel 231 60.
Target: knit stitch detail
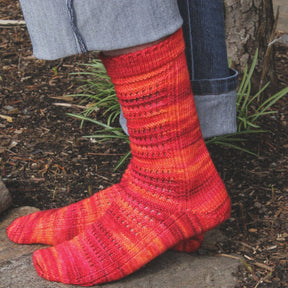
pixel 170 191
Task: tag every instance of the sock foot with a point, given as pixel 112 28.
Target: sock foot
pixel 55 226
pixel 189 245
pixel 170 191
pixel 120 243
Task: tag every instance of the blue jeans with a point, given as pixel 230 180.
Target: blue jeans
pixel 213 83
pixel 60 28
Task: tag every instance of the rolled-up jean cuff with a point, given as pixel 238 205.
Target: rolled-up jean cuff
pixel 215 101
pixel 217 113
pixel 215 86
pixel 60 28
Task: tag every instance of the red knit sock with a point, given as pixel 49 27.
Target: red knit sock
pixel 170 191
pixel 55 226
pixel 58 225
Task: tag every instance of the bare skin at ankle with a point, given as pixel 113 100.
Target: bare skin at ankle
pixel 118 52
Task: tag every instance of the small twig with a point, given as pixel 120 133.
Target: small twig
pixel 70 105
pixel 246 245
pixel 7 118
pixel 60 167
pixel 35 179
pixel 278 212
pixel 100 176
pixel 7 23
pixel 244 263
pixel 229 256
pixel 105 154
pixel 263 266
pixel 243 217
pixel 27 159
pixel 263 279
pixel 65 98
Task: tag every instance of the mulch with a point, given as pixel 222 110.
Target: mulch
pixel 46 163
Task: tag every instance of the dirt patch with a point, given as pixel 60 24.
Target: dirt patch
pixel 45 162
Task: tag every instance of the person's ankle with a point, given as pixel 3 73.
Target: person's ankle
pixel 118 52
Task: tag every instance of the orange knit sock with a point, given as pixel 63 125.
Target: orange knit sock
pixel 170 191
pixel 58 225
pixel 55 226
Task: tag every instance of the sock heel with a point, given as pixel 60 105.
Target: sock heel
pixel 189 245
pixel 192 244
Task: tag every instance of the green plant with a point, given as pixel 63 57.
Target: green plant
pixel 98 91
pixel 106 134
pixel 248 108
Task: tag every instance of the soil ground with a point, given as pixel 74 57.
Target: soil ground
pixel 46 163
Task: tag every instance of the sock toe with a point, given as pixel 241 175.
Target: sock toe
pixel 45 264
pixel 14 231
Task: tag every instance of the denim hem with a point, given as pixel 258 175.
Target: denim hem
pixel 217 113
pixel 215 86
pixel 67 27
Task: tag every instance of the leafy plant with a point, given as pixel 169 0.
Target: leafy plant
pixel 248 110
pixel 98 91
pixel 106 134
pixel 247 115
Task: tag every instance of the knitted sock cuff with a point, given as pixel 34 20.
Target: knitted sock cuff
pixel 145 60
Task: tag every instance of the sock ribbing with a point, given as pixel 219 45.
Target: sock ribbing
pixel 170 191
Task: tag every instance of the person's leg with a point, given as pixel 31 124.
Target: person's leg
pixel 213 83
pixel 170 191
pixel 58 225
pixel 204 35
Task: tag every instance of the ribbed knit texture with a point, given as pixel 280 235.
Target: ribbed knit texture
pixel 170 191
pixel 55 226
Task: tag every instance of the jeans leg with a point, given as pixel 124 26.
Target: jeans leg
pixel 213 83
pixel 59 28
pixel 204 34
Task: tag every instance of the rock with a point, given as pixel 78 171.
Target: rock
pixel 5 197
pixel 170 270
